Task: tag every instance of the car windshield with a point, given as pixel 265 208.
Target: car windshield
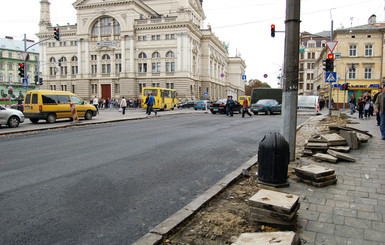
pixel 264 102
pixel 221 101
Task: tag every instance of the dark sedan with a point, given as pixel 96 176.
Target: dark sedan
pixel 220 106
pixel 266 106
pixel 187 104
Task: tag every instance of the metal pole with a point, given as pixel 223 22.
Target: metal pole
pixel 290 86
pixel 330 83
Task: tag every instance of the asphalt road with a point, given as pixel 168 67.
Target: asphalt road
pixel 111 183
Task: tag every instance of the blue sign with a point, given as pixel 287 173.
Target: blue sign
pixel 243 77
pixel 331 77
pixel 206 94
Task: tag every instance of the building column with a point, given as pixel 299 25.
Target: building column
pixel 179 51
pixel 80 66
pixel 123 52
pixel 132 54
pixel 87 57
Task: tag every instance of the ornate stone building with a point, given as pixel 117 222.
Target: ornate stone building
pixel 118 47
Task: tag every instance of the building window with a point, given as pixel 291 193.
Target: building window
pixel 170 85
pixel 94 57
pixel 352 50
pixel 157 85
pixel 142 55
pixel 64 87
pixel 170 54
pixel 118 56
pixel 141 86
pixel 53 87
pixel 170 66
pixel 105 57
pixel 352 73
pixel 313 55
pixel 369 50
pixel 118 68
pixel 142 67
pixel 368 73
pixel 156 55
pixel 106 68
pixel 94 69
pixel 74 70
pixel 73 89
pixel 172 36
pixel 308 55
pixel 1 77
pixel 105 27
pixel 94 88
pixel 156 67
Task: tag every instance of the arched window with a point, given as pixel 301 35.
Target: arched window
pixel 105 26
pixel 105 57
pixel 74 59
pixel 170 54
pixel 63 59
pixel 52 60
pixel 155 55
pixel 142 56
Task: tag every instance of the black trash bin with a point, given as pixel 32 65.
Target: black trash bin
pixel 273 160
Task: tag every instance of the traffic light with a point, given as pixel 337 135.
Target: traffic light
pixel 56 34
pixel 328 63
pixel 272 30
pixel 10 91
pixel 346 86
pixel 36 79
pixel 21 70
pixel 41 81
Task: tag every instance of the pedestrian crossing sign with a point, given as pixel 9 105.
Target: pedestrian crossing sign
pixel 331 77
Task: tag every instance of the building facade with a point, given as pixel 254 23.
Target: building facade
pixel 10 56
pixel 118 47
pixel 359 61
pixel 311 46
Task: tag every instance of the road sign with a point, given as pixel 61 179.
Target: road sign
pixel 222 75
pixel 25 56
pixel 337 55
pixel 301 50
pixel 25 83
pixel 331 77
pixel 243 77
pixel 265 75
pixel 331 45
pixel 206 94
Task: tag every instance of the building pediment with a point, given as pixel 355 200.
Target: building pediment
pixel 197 6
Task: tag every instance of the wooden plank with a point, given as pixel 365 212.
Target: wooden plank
pixel 274 200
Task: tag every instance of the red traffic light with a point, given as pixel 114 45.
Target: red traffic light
pixel 21 65
pixel 272 30
pixel 330 56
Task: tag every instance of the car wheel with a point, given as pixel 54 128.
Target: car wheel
pixel 268 112
pixel 195 108
pixel 13 122
pixel 34 120
pixel 51 118
pixel 214 112
pixel 255 113
pixel 88 115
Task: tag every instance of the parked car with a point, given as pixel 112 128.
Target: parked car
pixel 220 106
pixel 201 104
pixel 10 117
pixel 268 106
pixel 186 104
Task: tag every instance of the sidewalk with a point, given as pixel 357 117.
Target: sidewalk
pixel 353 210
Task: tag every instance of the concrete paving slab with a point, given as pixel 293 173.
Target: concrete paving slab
pixel 274 200
pixel 268 238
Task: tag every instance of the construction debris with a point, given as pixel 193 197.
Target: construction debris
pixel 334 139
pixel 325 157
pixel 266 238
pixel 274 207
pixel 316 175
pixel 340 155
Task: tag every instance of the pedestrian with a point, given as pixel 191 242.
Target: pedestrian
pixel 123 105
pixel 231 105
pixel 374 101
pixel 146 103
pixel 245 106
pixel 321 103
pixel 107 103
pixel 368 100
pixel 360 107
pixel 352 103
pixel 379 106
pixel 95 102
pixel 150 105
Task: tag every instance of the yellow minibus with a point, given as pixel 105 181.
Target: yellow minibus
pixel 165 98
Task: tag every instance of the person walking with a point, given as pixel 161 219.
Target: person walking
pixel 228 106
pixel 95 102
pixel 368 100
pixel 123 105
pixel 231 105
pixel 360 107
pixel 374 101
pixel 150 105
pixel 146 103
pixel 245 109
pixel 379 106
pixel 352 103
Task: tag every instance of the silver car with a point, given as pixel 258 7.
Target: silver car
pixel 10 117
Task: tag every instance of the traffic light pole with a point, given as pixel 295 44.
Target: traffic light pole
pixel 291 67
pixel 330 83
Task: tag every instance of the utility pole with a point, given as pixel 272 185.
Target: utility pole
pixel 290 83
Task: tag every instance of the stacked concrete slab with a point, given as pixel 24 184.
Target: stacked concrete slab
pixel 268 238
pixel 274 207
pixel 316 175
